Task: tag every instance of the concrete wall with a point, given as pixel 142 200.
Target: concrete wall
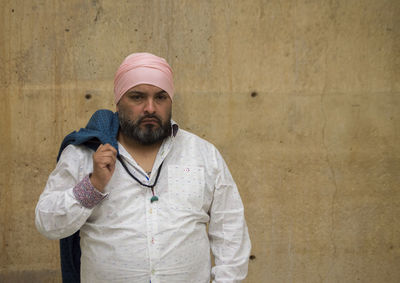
pixel 302 97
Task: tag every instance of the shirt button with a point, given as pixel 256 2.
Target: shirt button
pixel 151 211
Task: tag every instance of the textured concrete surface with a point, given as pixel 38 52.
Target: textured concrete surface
pixel 301 97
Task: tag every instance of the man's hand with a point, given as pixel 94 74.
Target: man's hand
pixel 103 166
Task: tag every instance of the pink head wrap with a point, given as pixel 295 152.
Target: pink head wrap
pixel 143 68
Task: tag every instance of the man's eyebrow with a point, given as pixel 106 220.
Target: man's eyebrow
pixel 141 92
pixel 162 92
pixel 135 92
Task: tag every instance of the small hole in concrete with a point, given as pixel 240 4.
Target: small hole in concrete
pixel 88 96
pixel 254 94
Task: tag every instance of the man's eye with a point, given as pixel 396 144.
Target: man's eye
pixel 161 97
pixel 136 97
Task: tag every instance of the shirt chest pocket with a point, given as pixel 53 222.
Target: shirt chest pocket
pixel 185 187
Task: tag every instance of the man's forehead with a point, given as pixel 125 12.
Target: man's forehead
pixel 146 88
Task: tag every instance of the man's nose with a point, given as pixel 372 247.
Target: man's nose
pixel 149 107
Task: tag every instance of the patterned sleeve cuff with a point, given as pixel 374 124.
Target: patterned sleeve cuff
pixel 87 194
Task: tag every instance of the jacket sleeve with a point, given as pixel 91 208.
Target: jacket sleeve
pixel 59 213
pixel 229 237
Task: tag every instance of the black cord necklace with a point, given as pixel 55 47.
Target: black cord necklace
pixel 154 197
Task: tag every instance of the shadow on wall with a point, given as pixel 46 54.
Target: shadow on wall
pixel 48 276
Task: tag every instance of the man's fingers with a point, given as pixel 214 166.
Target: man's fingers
pixel 106 147
pixel 106 154
pixel 105 161
pixel 105 150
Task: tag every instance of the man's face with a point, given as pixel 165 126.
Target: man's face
pixel 144 113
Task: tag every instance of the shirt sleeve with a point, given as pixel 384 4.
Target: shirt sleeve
pixel 68 198
pixel 229 237
pixel 87 194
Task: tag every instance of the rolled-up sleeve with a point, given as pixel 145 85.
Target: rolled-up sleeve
pixel 229 237
pixel 59 212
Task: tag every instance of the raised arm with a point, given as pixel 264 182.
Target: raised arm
pixel 69 196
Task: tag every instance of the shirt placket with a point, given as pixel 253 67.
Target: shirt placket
pixel 152 215
pixel 152 241
pixel 152 211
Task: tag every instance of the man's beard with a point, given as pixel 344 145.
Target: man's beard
pixel 148 135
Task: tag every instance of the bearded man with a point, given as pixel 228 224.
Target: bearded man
pixel 132 194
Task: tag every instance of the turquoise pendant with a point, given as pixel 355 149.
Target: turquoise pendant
pixel 153 198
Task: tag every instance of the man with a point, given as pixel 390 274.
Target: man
pixel 141 192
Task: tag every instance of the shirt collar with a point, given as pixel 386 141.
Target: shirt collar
pixel 175 128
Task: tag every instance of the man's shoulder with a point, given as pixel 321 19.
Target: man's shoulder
pixel 76 151
pixel 187 136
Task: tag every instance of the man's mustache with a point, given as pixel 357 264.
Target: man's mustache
pixel 150 116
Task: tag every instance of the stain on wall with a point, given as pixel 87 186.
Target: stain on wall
pixel 301 97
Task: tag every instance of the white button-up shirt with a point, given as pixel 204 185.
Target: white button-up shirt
pixel 126 238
